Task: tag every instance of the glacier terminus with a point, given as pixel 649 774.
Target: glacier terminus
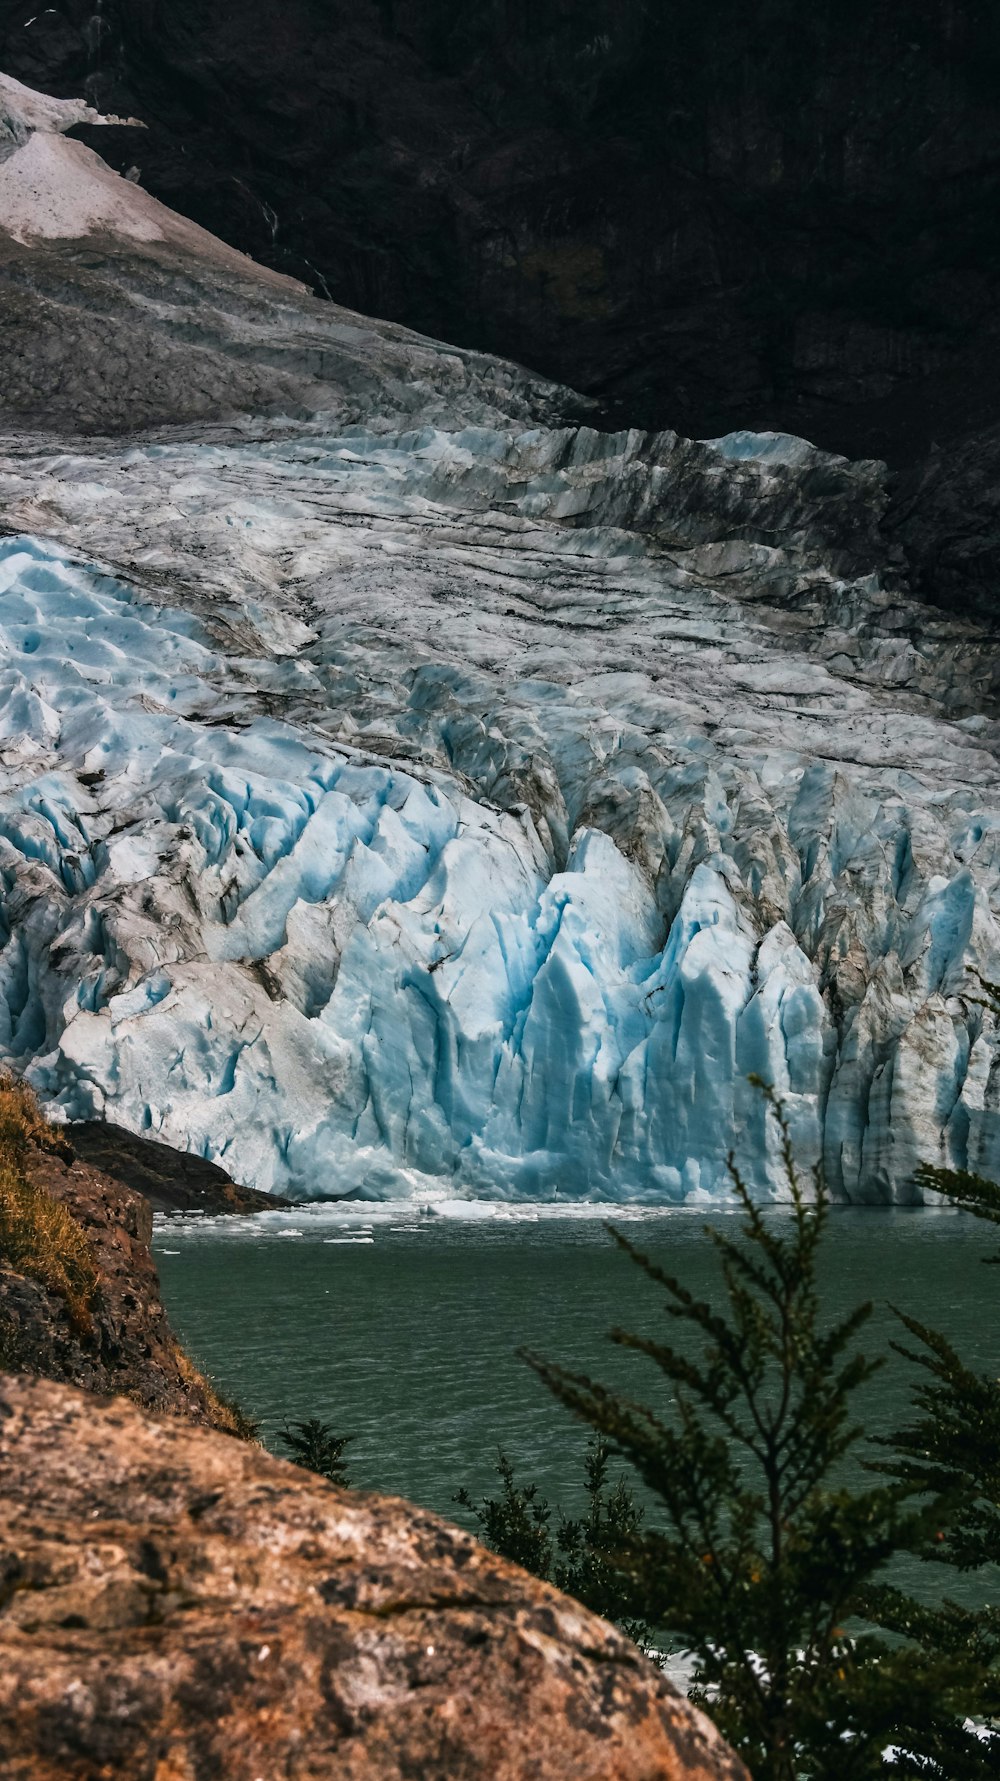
pixel 408 790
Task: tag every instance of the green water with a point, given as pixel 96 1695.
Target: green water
pixel 404 1334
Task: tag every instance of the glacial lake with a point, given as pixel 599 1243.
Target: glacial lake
pixel 401 1328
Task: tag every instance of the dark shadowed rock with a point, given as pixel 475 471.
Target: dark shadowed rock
pixel 945 517
pixel 179 1605
pixel 171 1180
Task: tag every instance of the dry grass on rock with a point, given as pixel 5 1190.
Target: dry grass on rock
pixel 38 1236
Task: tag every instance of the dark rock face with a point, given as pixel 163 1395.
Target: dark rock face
pixel 708 217
pixel 945 517
pixel 130 1348
pixel 170 1180
pixel 181 1605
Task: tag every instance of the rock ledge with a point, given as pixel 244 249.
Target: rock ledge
pixel 175 1604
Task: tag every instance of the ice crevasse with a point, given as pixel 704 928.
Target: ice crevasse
pixel 359 913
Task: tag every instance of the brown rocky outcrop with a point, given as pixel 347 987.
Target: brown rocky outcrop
pixel 129 1346
pixel 176 1605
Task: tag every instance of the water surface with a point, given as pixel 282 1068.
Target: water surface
pixel 402 1329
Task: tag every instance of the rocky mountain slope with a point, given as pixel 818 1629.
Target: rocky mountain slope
pixel 118 314
pixel 408 789
pixel 710 217
pixel 707 217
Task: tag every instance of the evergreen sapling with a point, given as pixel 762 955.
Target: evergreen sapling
pixel 314 1445
pixel 762 1555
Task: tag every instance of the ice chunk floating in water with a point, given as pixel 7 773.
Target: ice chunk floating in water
pixel 419 821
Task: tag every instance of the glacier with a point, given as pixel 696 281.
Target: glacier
pixel 432 797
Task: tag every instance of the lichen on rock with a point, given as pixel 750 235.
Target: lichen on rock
pixel 179 1605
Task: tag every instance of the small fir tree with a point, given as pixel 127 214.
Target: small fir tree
pixel 515 1523
pixel 313 1445
pixel 765 1555
pixel 594 1549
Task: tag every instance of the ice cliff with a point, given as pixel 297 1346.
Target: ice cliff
pixel 423 796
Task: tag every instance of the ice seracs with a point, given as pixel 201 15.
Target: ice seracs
pixel 492 870
pixel 469 809
pixel 328 972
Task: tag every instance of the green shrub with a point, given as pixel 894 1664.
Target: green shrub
pixel 588 1555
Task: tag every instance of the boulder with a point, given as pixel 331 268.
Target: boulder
pixel 176 1605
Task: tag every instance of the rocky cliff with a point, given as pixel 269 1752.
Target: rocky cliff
pixel 118 1339
pixel 177 1604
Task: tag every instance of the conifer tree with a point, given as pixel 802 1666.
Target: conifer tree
pixel 313 1445
pixel 762 1558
